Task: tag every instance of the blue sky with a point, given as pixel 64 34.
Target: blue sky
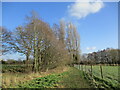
pixel 97 26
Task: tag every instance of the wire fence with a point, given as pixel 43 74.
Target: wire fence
pixel 109 73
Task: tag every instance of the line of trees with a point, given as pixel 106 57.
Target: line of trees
pixel 106 56
pixel 49 47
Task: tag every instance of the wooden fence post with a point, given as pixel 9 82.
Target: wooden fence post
pixel 82 67
pixel 101 71
pixel 85 68
pixel 91 70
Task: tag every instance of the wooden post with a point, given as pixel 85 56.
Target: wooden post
pixel 79 66
pixel 85 68
pixel 101 71
pixel 82 67
pixel 91 69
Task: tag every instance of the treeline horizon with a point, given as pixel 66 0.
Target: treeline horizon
pixel 105 56
pixel 47 47
pixel 82 54
pixel 84 57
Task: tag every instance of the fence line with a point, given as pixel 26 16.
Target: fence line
pixel 90 70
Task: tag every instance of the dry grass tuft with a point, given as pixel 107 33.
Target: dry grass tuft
pixel 12 79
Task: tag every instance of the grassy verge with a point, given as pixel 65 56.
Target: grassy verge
pixel 72 78
pixel 110 76
pixel 50 81
pixel 97 82
pixel 10 80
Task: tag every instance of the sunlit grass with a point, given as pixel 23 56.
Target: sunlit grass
pixel 110 73
pixel 10 80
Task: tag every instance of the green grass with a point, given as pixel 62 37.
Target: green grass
pixel 110 75
pixel 42 82
pixel 73 78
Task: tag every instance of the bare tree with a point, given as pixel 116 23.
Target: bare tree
pixel 73 43
pixel 45 44
pixel 6 39
pixel 62 32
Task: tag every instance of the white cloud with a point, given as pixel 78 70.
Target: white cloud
pixel 82 9
pixel 91 48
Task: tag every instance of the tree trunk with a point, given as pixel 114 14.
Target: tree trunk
pixel 27 60
pixel 39 60
pixel 35 52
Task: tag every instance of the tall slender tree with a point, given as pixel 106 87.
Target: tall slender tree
pixel 73 43
pixel 62 32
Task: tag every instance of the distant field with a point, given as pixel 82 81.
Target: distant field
pixel 110 74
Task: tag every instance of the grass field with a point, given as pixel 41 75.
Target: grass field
pixel 11 79
pixel 69 78
pixel 63 77
pixel 110 75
